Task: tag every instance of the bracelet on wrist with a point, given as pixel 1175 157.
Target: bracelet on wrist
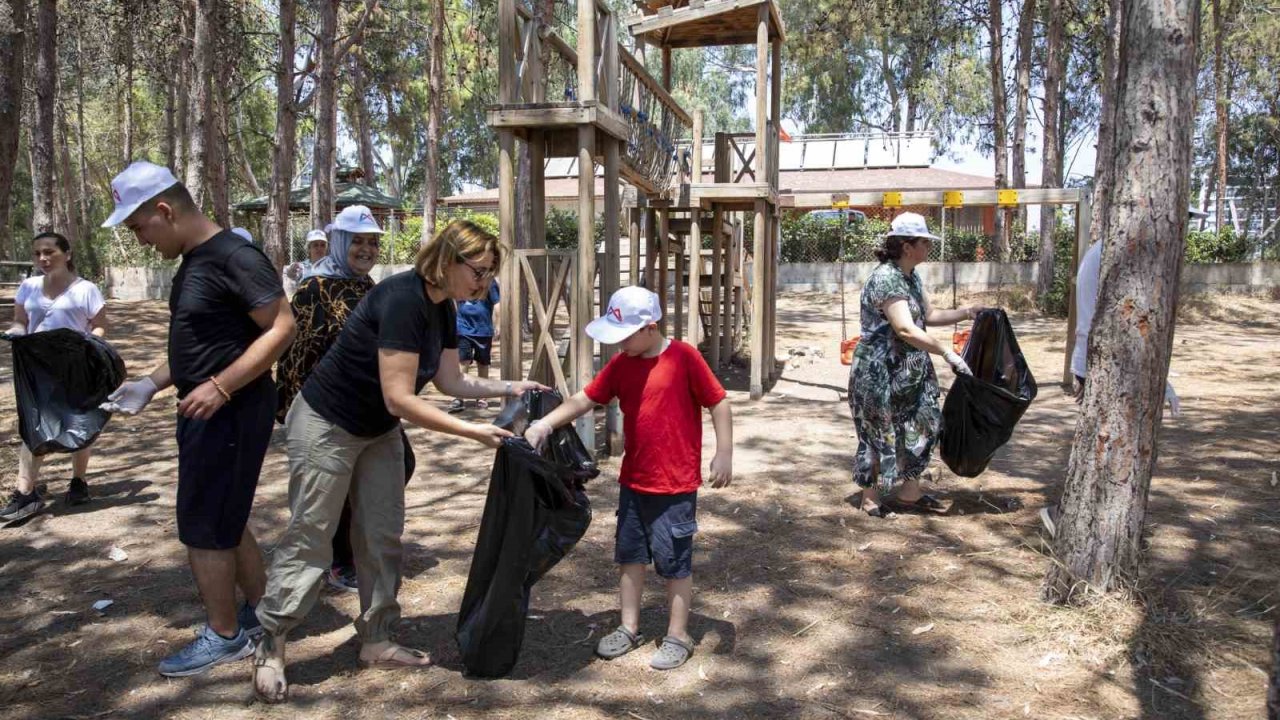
pixel 507 391
pixel 221 390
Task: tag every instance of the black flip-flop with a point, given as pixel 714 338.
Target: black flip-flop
pixel 924 503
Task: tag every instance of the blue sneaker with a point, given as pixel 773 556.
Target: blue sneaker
pixel 247 616
pixel 208 649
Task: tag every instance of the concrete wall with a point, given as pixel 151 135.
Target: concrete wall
pixel 982 276
pixel 132 283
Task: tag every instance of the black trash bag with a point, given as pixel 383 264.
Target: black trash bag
pixel 981 411
pixel 60 378
pixel 535 513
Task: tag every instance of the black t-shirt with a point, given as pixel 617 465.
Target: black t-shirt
pixel 396 315
pixel 218 284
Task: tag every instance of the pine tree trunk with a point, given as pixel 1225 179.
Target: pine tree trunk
pixel 999 137
pixel 182 91
pixel 431 192
pixel 246 167
pixel 1098 544
pixel 1050 152
pixel 1110 66
pixel 82 154
pixel 364 127
pixel 202 120
pixel 42 140
pixel 127 28
pixel 322 167
pixel 1026 33
pixel 1223 109
pixel 277 230
pixel 219 157
pixel 13 19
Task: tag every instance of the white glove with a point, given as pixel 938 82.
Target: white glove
pixel 956 362
pixel 131 397
pixel 1171 397
pixel 537 433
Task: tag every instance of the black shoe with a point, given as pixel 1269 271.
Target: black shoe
pixel 343 578
pixel 21 507
pixel 78 493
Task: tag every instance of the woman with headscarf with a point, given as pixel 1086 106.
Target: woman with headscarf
pixel 893 391
pixel 330 290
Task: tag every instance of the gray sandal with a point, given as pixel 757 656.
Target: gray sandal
pixel 618 643
pixel 673 653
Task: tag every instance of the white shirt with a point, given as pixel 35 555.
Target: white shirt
pixel 1086 303
pixel 74 309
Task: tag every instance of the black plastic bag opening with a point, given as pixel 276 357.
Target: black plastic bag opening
pixel 60 378
pixel 981 411
pixel 535 513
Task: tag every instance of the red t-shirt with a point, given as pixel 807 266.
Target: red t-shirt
pixel 661 400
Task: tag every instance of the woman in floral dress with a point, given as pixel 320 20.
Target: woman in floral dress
pixel 893 390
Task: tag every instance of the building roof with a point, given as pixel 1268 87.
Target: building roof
pixel 345 193
pixel 565 189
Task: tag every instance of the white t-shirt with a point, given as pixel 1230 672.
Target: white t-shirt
pixel 74 309
pixel 1086 303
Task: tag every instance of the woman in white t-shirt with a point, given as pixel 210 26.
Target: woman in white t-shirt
pixel 59 298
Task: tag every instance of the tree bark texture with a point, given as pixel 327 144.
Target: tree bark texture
pixel 322 167
pixel 42 139
pixel 127 91
pixel 1222 109
pixel 219 155
pixel 202 120
pixel 1110 63
pixel 277 239
pixel 1022 75
pixel 999 120
pixel 1098 544
pixel 431 192
pixel 182 91
pixel 1049 156
pixel 364 128
pixel 13 55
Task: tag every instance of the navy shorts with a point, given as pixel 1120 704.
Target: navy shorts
pixel 475 347
pixel 657 529
pixel 219 460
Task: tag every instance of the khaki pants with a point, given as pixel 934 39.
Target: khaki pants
pixel 326 465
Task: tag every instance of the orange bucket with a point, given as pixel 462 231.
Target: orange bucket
pixel 847 348
pixel 959 339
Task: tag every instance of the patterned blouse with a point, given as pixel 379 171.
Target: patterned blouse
pixel 321 307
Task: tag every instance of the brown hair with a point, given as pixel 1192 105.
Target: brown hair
pixel 58 239
pixel 459 240
pixel 892 248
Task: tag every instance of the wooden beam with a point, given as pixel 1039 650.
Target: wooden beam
pixel 654 86
pixel 509 311
pixel 762 90
pixel 633 234
pixel 585 276
pixel 717 284
pixel 757 301
pixel 609 280
pixel 664 252
pixel 972 198
pixel 1084 230
pixel 558 115
pixel 673 19
pixel 587 58
pixel 507 45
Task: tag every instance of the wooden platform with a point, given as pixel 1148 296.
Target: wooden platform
pixel 730 196
pixel 561 116
pixel 702 24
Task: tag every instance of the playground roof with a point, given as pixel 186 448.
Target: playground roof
pixel 694 23
pixel 346 193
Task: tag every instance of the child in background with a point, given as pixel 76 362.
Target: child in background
pixel 662 386
pixel 476 323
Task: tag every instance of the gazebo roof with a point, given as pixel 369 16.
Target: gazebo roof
pixel 345 193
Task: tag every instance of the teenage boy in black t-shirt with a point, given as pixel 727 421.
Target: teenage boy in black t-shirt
pixel 229 323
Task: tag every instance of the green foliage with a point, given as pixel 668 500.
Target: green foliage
pixel 562 230
pixel 402 245
pixel 1224 246
pixel 1055 303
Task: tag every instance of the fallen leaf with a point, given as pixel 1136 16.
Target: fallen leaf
pixel 922 629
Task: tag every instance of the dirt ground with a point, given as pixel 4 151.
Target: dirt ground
pixel 804 606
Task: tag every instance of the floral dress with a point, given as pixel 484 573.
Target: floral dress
pixel 320 308
pixel 893 390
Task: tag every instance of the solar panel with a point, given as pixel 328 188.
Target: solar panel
pixel 915 151
pixel 791 155
pixel 819 154
pixel 559 167
pixel 882 153
pixel 850 153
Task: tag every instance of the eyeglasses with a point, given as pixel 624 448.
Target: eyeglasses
pixel 481 274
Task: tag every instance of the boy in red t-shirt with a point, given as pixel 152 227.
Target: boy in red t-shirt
pixel 662 386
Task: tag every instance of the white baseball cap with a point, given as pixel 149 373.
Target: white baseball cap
pixel 356 219
pixel 317 235
pixel 911 225
pixel 630 309
pixel 137 184
pixel 243 233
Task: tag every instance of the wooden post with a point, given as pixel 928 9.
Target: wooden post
pixel 651 248
pixel 509 315
pixel 771 338
pixel 775 109
pixel 664 250
pixel 1084 226
pixel 609 279
pixel 761 246
pixel 677 296
pixel 762 99
pixel 717 285
pixel 583 309
pixel 694 244
pixel 739 292
pixel 586 56
pixel 633 234
pixel 732 292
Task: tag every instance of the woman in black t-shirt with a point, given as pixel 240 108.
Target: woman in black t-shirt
pixel 344 443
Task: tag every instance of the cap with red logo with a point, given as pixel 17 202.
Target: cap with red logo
pixel 356 219
pixel 137 184
pixel 630 309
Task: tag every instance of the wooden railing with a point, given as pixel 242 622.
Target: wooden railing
pixel 657 121
pixel 736 157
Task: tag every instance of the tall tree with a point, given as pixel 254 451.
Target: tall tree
pixel 1022 94
pixel 1098 544
pixel 431 191
pixel 1051 155
pixel 13 53
pixel 360 113
pixel 200 124
pixel 42 140
pixel 999 120
pixel 182 90
pixel 1109 68
pixel 276 242
pixel 1222 108
pixel 322 165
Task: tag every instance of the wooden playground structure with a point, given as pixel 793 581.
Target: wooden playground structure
pixel 568 87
